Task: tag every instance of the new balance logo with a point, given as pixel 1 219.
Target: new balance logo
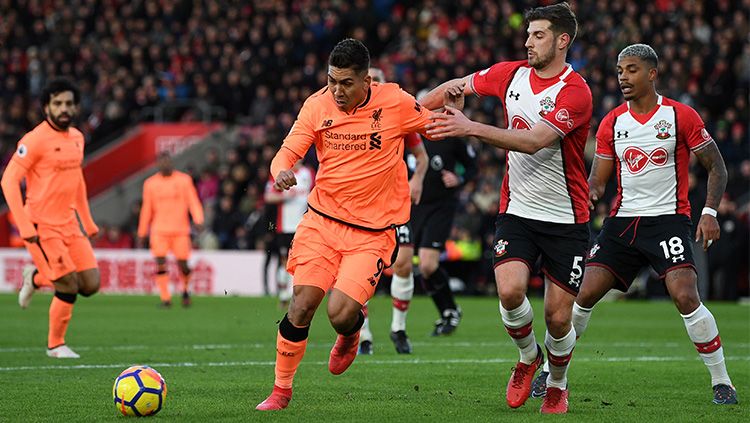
pixel 514 96
pixel 622 134
pixel 375 141
pixel 327 123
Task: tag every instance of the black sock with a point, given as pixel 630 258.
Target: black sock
pixel 68 298
pixel 357 326
pixel 441 292
pixel 32 279
pixel 292 333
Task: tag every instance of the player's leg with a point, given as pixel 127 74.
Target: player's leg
pixel 32 278
pixel 181 246
pixel 365 334
pixel 346 317
pixel 159 245
pixel 86 266
pixel 60 313
pixel 402 290
pixel 702 330
pixel 437 284
pixel 284 284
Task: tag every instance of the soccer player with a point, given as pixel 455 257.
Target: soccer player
pixel 402 284
pixel 292 205
pixel 544 204
pixel 361 194
pixel 169 200
pixel 646 142
pixel 49 159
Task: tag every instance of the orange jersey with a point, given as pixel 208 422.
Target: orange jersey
pixel 362 177
pixel 50 160
pixel 167 200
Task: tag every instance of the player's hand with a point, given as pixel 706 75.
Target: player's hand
pixel 198 227
pixel 593 199
pixel 450 123
pixel 140 242
pixel 454 96
pixel 708 230
pixel 32 239
pixel 285 180
pixel 415 190
pixel 450 179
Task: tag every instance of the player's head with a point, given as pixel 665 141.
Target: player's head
pixel 348 80
pixel 164 161
pixel 60 99
pixel 377 75
pixel 551 30
pixel 636 70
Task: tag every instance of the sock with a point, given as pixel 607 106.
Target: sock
pixel 559 352
pixel 39 281
pixel 518 324
pixel 162 281
pixel 545 367
pixel 60 312
pixel 440 291
pixel 291 342
pixel 702 330
pixel 402 291
pixel 185 279
pixel 581 318
pixel 365 334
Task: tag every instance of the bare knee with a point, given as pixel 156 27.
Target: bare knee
pixel 558 322
pixel 427 268
pixel 686 301
pixel 511 295
pixel 67 284
pixel 402 266
pixel 89 282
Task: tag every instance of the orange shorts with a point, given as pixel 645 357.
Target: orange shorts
pixel 179 245
pixel 328 254
pixel 61 250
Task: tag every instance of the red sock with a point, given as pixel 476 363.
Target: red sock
pixel 60 313
pixel 162 281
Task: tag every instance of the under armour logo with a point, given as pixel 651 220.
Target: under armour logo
pixel 675 259
pixel 622 134
pixel 514 96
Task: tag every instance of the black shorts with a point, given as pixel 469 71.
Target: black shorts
pixel 404 235
pixel 432 223
pixel 626 244
pixel 562 247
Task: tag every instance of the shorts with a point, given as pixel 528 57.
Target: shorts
pixel 562 247
pixel 329 254
pixel 179 245
pixel 432 223
pixel 404 235
pixel 61 250
pixel 626 244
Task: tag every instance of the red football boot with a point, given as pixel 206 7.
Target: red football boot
pixel 343 353
pixel 278 400
pixel 519 385
pixel 555 402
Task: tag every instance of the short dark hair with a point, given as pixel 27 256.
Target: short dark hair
pixel 350 54
pixel 562 19
pixel 642 51
pixel 59 85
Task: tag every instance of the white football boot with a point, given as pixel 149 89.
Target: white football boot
pixel 62 352
pixel 27 288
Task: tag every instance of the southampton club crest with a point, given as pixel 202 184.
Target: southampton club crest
pixel 662 129
pixel 500 247
pixel 547 106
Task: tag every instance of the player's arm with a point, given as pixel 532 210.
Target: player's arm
pixel 11 185
pixel 601 171
pixel 453 123
pixel 144 220
pixel 194 204
pixel 82 207
pixel 708 227
pixel 296 144
pixel 434 99
pixel 420 170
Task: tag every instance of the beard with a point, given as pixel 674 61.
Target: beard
pixel 62 121
pixel 540 61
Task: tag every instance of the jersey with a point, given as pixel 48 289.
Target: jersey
pixel 549 185
pixel 651 154
pixel 50 160
pixel 293 207
pixel 361 179
pixel 447 155
pixel 167 200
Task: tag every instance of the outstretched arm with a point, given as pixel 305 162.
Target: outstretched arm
pixel 433 100
pixel 708 227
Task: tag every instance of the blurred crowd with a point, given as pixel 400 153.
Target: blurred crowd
pixel 258 60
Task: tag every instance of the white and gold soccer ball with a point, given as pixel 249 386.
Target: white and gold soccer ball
pixel 139 391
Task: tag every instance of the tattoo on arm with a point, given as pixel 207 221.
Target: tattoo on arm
pixel 711 159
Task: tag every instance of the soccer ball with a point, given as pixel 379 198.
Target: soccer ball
pixel 139 391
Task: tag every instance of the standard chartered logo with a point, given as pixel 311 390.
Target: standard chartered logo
pixel 351 142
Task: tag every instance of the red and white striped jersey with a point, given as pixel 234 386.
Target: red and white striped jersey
pixel 549 185
pixel 651 154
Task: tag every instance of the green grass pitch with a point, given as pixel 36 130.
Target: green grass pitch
pixel 635 363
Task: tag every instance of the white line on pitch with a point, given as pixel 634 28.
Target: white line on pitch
pixel 360 362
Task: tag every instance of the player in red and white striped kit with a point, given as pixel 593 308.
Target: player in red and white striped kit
pixel 646 142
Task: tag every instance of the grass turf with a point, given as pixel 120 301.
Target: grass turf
pixel 635 362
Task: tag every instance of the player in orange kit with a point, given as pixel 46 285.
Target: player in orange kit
pixel 168 197
pixel 49 159
pixel 361 194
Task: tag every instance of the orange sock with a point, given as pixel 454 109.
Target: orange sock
pixel 291 343
pixel 60 312
pixel 41 281
pixel 185 281
pixel 162 281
